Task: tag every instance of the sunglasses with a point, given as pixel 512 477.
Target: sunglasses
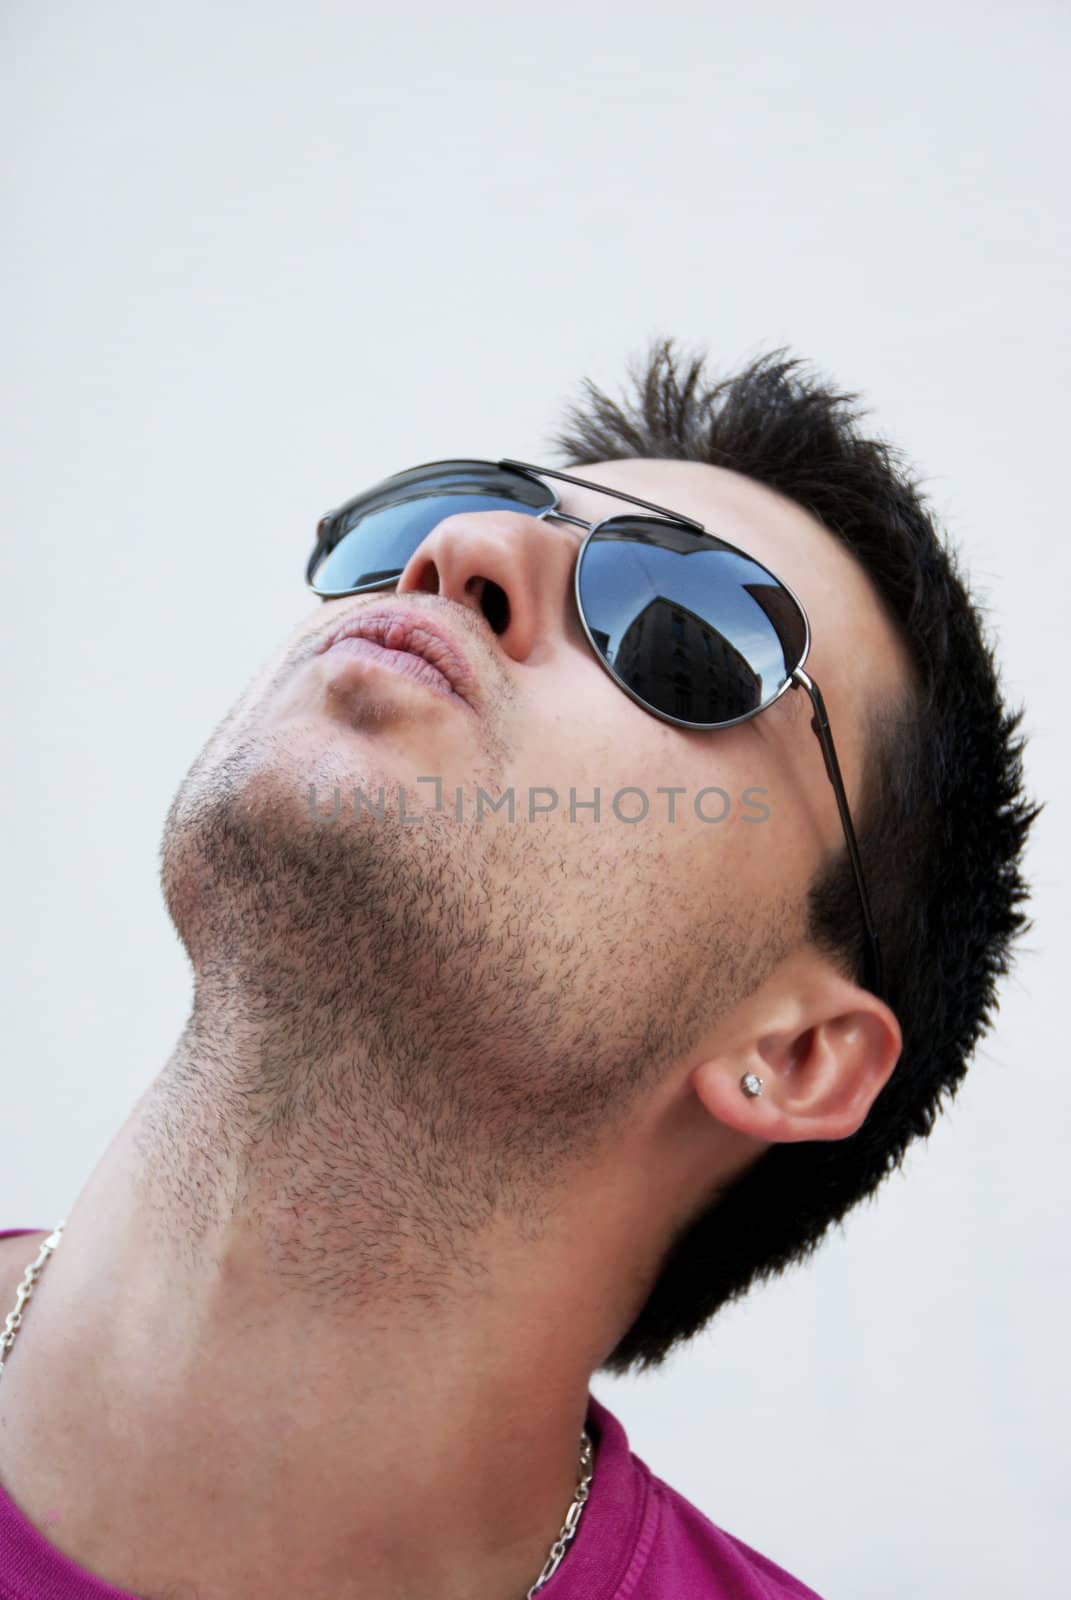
pixel 695 631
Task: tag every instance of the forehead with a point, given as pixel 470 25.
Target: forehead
pixel 854 647
pixel 767 525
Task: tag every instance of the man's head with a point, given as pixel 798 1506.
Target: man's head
pixel 504 993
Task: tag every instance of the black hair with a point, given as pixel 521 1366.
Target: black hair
pixel 942 819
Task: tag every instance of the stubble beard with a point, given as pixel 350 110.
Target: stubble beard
pixel 384 1035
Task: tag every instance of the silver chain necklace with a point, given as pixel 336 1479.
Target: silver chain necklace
pixel 587 1458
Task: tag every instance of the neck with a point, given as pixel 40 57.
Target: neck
pixel 290 1336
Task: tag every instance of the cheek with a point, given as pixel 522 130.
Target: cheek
pixel 694 799
pixel 584 733
pixel 774 841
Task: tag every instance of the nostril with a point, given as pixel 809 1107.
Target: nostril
pixel 428 582
pixel 493 602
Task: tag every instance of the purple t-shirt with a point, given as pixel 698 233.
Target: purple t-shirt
pixel 638 1539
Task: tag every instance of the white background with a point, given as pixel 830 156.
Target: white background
pixel 259 255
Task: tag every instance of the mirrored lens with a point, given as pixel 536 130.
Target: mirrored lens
pixel 691 626
pixel 368 542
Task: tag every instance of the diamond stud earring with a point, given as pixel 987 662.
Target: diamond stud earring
pixel 751 1084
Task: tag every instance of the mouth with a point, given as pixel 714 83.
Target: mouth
pixel 411 642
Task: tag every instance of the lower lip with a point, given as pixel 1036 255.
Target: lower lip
pixel 401 661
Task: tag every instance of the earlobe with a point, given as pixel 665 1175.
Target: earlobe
pixel 736 1091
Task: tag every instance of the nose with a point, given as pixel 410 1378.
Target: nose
pixel 512 569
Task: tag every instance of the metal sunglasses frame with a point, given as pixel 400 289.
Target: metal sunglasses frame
pixel 797 678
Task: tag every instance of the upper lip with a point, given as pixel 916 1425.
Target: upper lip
pixel 414 632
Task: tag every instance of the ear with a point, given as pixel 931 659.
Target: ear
pixel 823 1047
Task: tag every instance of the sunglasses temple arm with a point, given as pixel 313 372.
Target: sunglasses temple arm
pixel 820 723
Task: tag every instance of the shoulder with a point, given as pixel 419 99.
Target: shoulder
pixel 699 1545
pixel 666 1547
